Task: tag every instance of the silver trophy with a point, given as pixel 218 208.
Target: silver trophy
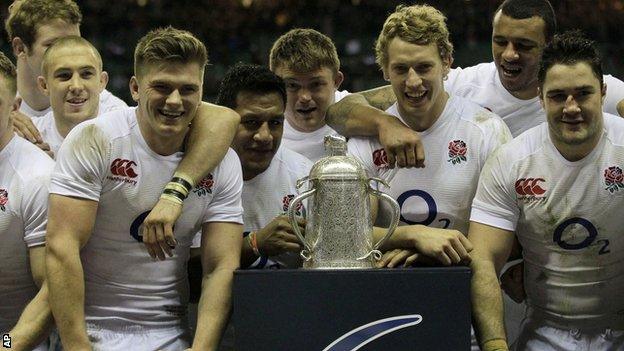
pixel 339 230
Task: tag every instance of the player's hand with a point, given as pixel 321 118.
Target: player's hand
pixel 512 282
pixel 46 148
pixel 158 228
pixel 278 236
pixel 25 128
pixel 402 144
pixel 397 258
pixel 445 245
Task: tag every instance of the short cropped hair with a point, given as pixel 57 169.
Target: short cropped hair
pixel 523 9
pixel 570 48
pixel 25 16
pixel 166 45
pixel 417 24
pixel 304 50
pixel 69 41
pixel 8 72
pixel 255 79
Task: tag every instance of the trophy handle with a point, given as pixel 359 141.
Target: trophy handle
pixel 395 217
pixel 301 181
pixel 307 251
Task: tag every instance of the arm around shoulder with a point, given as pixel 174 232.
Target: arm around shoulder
pixel 210 137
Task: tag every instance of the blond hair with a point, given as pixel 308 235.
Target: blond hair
pixel 417 24
pixel 69 41
pixel 25 16
pixel 304 50
pixel 8 71
pixel 169 45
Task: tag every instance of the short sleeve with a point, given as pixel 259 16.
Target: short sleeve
pixel 81 163
pixel 35 210
pixel 497 134
pixel 615 94
pixel 495 201
pixel 226 205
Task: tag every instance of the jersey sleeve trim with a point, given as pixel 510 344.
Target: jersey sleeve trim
pixel 484 215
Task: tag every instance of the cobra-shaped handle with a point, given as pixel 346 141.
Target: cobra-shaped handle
pixel 306 253
pixel 395 217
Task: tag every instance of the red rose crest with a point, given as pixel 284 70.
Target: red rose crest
pixel 380 158
pixel 204 186
pixel 613 179
pixel 457 151
pixel 286 203
pixel 4 198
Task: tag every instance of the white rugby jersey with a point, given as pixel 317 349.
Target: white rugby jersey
pixel 268 195
pixel 568 218
pixel 309 144
pixel 108 102
pixel 49 133
pixel 482 85
pixel 456 147
pixel 107 160
pixel 24 177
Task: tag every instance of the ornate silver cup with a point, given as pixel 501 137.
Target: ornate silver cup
pixel 339 230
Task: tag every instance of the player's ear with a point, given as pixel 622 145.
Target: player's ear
pixel 18 46
pixel 42 84
pixel 134 88
pixel 338 79
pixel 541 98
pixel 103 80
pixel 17 102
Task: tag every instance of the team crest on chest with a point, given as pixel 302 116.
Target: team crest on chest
pixel 613 179
pixel 4 198
pixel 123 170
pixel 286 203
pixel 531 189
pixel 457 151
pixel 204 186
pixel 380 158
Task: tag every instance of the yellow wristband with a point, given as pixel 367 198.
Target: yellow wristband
pixel 172 198
pixel 495 345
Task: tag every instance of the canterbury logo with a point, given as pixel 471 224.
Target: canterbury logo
pixel 123 168
pixel 529 186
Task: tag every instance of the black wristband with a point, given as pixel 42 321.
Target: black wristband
pixel 175 193
pixel 182 182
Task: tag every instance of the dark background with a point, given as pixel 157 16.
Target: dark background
pixel 244 30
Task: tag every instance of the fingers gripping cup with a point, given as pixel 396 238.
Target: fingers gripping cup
pixel 339 230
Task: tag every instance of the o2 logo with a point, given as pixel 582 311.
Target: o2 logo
pixel 136 224
pixel 431 204
pixel 592 233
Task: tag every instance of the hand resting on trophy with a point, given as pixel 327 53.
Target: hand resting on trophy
pixel 278 237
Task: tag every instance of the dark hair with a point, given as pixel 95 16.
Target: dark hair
pixel 569 48
pixel 522 9
pixel 25 16
pixel 248 78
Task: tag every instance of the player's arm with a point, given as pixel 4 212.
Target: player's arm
pixel 210 136
pixel 36 319
pixel 221 246
pixel 363 114
pixel 275 238
pixel 70 222
pixel 491 249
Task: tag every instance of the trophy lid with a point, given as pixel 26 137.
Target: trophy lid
pixel 337 165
